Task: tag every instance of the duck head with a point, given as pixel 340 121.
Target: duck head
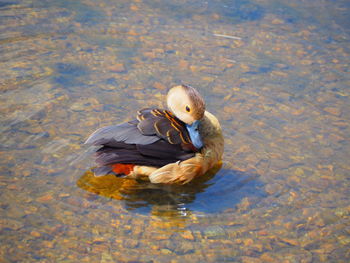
pixel 188 105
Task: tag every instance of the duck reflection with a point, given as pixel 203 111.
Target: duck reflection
pixel 216 191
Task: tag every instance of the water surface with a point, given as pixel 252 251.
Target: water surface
pixel 275 73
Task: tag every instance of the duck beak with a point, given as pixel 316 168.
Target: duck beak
pixel 194 134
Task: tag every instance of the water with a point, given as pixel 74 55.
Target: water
pixel 275 73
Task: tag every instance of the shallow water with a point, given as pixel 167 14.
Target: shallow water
pixel 275 73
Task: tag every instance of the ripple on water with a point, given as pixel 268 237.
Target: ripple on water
pixel 213 193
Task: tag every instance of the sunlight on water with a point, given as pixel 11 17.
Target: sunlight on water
pixel 275 73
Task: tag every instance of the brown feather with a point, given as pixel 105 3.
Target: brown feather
pixel 165 125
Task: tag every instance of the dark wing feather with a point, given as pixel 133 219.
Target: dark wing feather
pixel 146 127
pixel 125 132
pixel 162 127
pixel 156 154
pixel 162 149
pixel 156 138
pixel 163 124
pixel 173 137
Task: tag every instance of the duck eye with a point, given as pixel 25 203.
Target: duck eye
pixel 188 109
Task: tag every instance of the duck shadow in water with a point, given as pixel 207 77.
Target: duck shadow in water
pixel 220 190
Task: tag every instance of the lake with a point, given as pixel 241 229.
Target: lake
pixel 276 75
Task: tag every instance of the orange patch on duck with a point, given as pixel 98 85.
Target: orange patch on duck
pixel 120 168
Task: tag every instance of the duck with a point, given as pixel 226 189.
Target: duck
pixel 167 146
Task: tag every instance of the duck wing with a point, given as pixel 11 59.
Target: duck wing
pixel 156 138
pixel 156 154
pixel 126 132
pixel 164 124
